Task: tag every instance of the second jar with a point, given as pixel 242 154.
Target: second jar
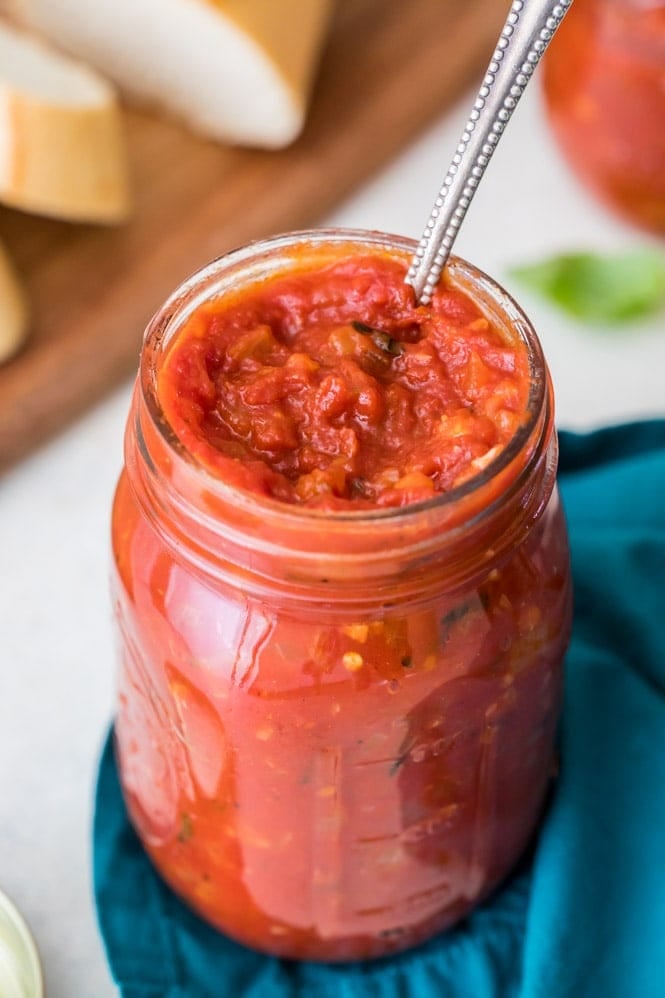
pixel 604 80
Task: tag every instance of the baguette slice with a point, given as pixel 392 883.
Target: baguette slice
pixel 13 310
pixel 239 71
pixel 61 148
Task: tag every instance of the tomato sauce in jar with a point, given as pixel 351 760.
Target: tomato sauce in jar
pixel 342 593
pixel 285 392
pixel 604 83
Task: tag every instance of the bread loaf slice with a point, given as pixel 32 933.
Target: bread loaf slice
pixel 13 309
pixel 239 71
pixel 61 148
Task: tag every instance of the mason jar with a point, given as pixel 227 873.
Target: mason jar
pixel 604 85
pixel 336 729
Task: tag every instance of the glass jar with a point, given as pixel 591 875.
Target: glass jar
pixel 604 84
pixel 335 731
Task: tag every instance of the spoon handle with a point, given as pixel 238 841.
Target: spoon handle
pixel 528 30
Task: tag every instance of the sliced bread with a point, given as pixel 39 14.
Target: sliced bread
pixel 61 147
pixel 239 71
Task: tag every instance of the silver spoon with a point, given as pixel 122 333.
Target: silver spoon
pixel 528 30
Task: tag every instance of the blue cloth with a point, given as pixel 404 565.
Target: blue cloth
pixel 585 915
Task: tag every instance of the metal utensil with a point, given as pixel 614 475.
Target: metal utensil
pixel 529 28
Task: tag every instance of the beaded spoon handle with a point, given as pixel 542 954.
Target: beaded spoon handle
pixel 528 30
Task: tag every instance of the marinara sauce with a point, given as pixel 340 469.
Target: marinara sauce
pixel 604 80
pixel 342 594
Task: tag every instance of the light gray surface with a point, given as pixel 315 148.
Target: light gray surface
pixel 56 659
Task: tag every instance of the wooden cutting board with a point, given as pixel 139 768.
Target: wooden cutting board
pixel 390 67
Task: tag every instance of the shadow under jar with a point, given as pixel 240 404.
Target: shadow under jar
pixel 604 84
pixel 336 719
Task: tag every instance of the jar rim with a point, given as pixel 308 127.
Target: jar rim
pixel 201 287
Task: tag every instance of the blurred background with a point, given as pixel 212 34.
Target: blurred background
pixel 123 183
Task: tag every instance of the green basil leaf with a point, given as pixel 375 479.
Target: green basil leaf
pixel 600 288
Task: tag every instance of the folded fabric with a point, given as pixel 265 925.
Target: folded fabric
pixel 584 917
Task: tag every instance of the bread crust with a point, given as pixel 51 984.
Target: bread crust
pixel 62 161
pixel 13 309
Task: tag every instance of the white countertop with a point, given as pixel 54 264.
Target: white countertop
pixel 56 652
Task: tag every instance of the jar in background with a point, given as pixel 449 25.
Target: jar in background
pixel 604 83
pixel 335 731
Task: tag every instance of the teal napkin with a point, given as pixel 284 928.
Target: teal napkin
pixel 584 917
